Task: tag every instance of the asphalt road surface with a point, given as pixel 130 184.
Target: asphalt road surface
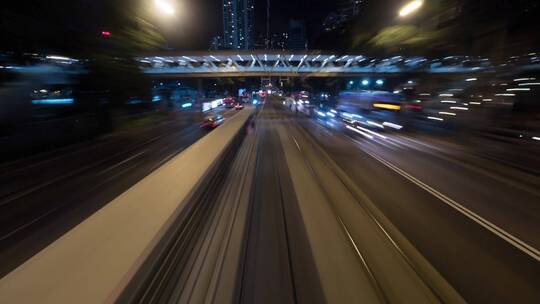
pixel 476 221
pixel 308 211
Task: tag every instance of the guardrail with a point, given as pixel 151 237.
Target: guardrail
pixel 97 260
pixel 149 285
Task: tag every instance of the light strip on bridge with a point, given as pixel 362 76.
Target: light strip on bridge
pixel 190 59
pixel 302 61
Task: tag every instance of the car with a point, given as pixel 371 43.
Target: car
pixel 239 106
pixel 229 102
pixel 212 122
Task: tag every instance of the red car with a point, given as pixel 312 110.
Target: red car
pixel 212 122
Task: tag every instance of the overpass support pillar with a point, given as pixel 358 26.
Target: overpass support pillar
pixel 266 81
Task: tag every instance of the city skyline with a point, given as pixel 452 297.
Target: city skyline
pixel 238 17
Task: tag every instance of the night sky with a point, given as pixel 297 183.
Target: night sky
pixel 197 21
pixel 204 19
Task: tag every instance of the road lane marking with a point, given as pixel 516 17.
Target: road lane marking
pixel 371 275
pixel 297 145
pixel 514 241
pixel 122 162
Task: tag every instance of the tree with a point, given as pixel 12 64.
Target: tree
pixel 112 65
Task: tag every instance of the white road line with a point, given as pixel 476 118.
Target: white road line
pixel 514 241
pixel 297 145
pixel 372 277
pixel 122 162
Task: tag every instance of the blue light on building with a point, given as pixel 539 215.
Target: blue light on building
pixel 57 101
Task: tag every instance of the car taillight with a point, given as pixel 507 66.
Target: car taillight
pixel 413 107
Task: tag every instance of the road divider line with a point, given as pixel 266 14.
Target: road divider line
pixel 372 277
pixel 122 162
pixel 511 239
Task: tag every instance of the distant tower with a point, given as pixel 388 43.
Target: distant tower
pixel 238 19
pixel 297 35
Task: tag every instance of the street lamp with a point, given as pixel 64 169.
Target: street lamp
pixel 164 7
pixel 410 8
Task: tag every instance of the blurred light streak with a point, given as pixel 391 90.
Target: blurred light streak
pixel 58 101
pixel 410 7
pixel 505 94
pixel 460 108
pixel 518 89
pixel 435 118
pixel 487 99
pixel 448 101
pixel 359 132
pixel 471 79
pixel 447 113
pixel 523 79
pixel 446 95
pixel 387 106
pixel 54 57
pixel 529 84
pixel 475 103
pixel 536 138
pixel 371 132
pixel 187 105
pixel 378 125
pixel 392 125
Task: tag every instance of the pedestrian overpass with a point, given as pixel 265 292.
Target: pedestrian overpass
pixel 262 63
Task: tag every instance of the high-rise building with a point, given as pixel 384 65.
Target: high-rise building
pixel 238 19
pixel 297 39
pixel 346 11
pixel 216 43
